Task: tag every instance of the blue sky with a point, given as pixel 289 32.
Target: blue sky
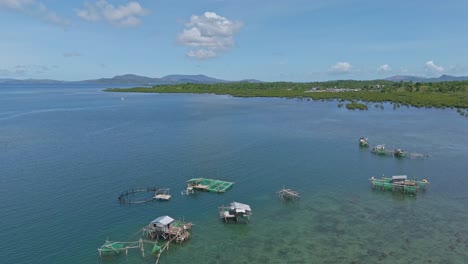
pixel 295 40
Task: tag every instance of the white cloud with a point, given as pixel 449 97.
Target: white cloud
pixel 385 68
pixel 37 9
pixel 341 68
pixel 209 34
pixel 430 66
pixel 16 4
pixel 127 15
pixel 201 54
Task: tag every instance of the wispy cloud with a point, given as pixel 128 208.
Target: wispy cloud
pixel 71 54
pixel 201 54
pixel 36 9
pixel 458 69
pixel 16 4
pixel 341 68
pixel 431 67
pixel 128 15
pixel 25 70
pixel 385 68
pixel 209 34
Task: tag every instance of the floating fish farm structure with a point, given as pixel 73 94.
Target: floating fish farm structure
pixel 399 183
pixel 381 150
pixel 134 196
pixel 363 142
pixel 209 185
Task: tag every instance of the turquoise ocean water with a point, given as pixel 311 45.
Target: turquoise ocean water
pixel 66 152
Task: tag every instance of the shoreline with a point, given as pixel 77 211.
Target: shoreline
pixel 437 95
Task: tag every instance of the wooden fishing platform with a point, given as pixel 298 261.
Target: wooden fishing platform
pixel 238 212
pixel 162 195
pixel 288 195
pixel 209 185
pixel 163 228
pixel 167 228
pixel 399 183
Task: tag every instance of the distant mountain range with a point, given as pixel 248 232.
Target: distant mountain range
pixel 442 78
pixel 131 79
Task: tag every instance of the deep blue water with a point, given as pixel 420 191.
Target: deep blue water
pixel 66 152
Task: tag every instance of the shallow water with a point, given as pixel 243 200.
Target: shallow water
pixel 67 152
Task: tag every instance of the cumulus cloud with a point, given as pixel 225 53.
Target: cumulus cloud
pixel 341 68
pixel 128 15
pixel 71 54
pixel 37 9
pixel 430 66
pixel 208 34
pixel 385 68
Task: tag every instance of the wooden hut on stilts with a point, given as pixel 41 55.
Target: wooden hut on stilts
pixel 237 212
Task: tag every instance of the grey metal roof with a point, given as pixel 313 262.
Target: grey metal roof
pixel 164 220
pixel 240 206
pixel 399 177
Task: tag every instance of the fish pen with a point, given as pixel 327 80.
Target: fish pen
pixel 131 196
pixel 111 247
pixel 399 183
pixel 288 195
pixel 209 185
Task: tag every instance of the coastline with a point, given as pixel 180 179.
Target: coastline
pixel 437 95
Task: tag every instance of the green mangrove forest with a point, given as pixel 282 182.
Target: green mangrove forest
pixel 437 94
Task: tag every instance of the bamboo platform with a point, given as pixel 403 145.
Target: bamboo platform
pixel 288 195
pixel 209 185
